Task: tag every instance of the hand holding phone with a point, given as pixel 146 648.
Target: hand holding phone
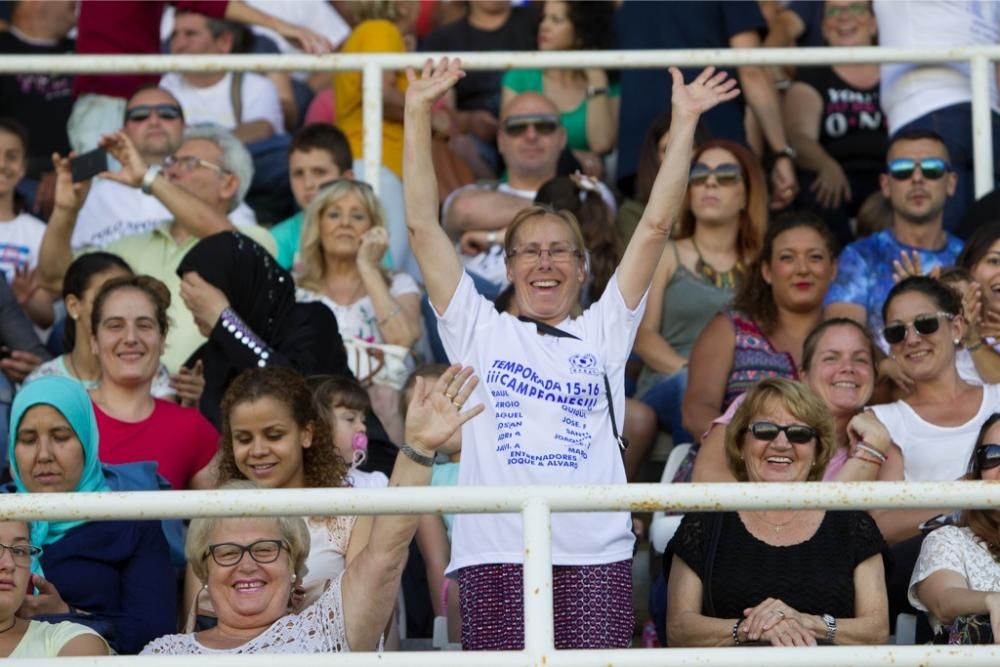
pixel 86 166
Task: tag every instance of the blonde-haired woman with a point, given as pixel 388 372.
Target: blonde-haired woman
pixel 343 243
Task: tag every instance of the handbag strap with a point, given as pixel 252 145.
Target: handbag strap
pixel 707 605
pixel 550 330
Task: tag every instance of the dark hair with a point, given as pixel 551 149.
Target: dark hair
pixel 596 222
pixel 812 340
pixel 649 153
pixel 985 524
pixel 978 245
pixel 753 217
pixel 12 126
pixel 754 296
pixel 954 274
pixel 322 464
pixel 219 27
pixel 331 391
pixel 592 22
pixel 155 290
pixel 943 296
pixel 78 279
pixel 324 137
pixel 917 135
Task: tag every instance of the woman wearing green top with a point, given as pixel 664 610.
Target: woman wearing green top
pixel 587 101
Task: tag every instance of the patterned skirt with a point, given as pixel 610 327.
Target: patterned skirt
pixel 593 606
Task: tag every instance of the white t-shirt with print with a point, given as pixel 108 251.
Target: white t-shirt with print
pixel 934 453
pixel 546 421
pixel 214 104
pixel 358 320
pixel 113 211
pixel 20 240
pixel 956 549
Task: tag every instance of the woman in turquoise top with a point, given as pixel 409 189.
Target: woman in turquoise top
pixel 587 100
pixel 720 233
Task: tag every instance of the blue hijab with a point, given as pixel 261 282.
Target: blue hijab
pixel 72 401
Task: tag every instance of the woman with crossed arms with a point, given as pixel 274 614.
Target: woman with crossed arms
pixel 546 382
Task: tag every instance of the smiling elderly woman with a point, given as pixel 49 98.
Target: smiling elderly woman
pixel 781 577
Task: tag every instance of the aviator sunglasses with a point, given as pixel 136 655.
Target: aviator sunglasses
pixel 727 173
pixel 924 325
pixel 987 456
pixel 798 434
pixel 931 168
pixel 141 112
pixel 544 124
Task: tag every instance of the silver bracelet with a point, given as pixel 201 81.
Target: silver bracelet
pixel 416 456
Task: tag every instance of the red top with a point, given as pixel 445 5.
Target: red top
pixel 180 440
pixel 122 28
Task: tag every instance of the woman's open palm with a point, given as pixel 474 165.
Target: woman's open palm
pixel 434 81
pixel 708 89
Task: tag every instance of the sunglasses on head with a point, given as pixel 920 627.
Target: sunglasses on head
pixel 987 456
pixel 727 173
pixel 932 168
pixel 798 434
pixel 141 112
pixel 544 124
pixel 924 325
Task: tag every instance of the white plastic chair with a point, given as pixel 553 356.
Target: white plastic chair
pixel 663 527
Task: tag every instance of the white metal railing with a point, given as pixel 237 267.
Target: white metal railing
pixel 535 504
pixel 372 65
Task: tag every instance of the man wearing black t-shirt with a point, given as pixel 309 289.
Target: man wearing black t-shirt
pixel 40 102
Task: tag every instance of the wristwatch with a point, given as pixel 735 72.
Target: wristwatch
pixel 831 627
pixel 594 91
pixel 788 152
pixel 150 176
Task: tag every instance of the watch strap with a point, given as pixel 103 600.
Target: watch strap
pixel 150 176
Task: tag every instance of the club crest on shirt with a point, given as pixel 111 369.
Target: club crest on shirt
pixel 584 363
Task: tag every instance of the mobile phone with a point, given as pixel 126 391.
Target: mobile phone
pixel 88 165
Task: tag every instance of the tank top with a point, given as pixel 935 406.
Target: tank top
pixel 754 358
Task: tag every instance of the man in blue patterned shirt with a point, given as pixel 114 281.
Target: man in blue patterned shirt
pixel 918 180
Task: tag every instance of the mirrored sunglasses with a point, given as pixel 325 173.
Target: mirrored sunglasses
pixel 931 168
pixel 727 173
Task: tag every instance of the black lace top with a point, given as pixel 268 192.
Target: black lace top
pixel 813 577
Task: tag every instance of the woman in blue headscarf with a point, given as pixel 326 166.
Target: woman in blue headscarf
pixel 114 576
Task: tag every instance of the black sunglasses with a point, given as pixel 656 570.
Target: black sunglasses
pixel 141 112
pixel 727 173
pixel 987 456
pixel 544 124
pixel 931 168
pixel 924 325
pixel 798 434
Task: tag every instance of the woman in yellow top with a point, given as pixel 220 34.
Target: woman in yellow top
pixel 381 27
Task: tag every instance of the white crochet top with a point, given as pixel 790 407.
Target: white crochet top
pixel 319 628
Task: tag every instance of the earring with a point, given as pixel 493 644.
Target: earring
pixel 958 342
pixel 294 577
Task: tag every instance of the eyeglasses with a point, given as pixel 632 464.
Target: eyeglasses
pixel 798 434
pixel 558 253
pixel 228 554
pixel 931 168
pixel 21 553
pixel 190 162
pixel 924 325
pixel 854 9
pixel 727 173
pixel 544 124
pixel 987 457
pixel 141 112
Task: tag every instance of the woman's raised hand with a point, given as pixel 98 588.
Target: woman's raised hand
pixel 866 427
pixel 435 412
pixel 434 81
pixel 374 243
pixel 706 91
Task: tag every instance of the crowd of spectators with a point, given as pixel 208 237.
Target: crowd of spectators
pixel 200 289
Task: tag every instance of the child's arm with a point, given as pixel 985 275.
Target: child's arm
pixel 432 540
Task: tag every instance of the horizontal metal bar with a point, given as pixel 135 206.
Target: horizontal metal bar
pixel 625 59
pixel 413 500
pixel 842 656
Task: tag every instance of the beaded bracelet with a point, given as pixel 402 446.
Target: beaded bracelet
pixel 736 632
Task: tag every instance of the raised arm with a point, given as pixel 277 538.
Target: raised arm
pixel 643 252
pixel 56 254
pixel 371 581
pixel 435 254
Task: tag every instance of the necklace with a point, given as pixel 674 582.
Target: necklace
pixel 777 526
pixel 12 624
pixel 721 279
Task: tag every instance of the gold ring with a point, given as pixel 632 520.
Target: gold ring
pixel 457 405
pixel 780 613
pixel 451 397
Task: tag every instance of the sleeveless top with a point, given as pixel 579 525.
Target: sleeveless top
pixel 754 358
pixel 319 628
pixel 689 302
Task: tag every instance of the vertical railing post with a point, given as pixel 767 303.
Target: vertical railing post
pixel 372 123
pixel 982 128
pixel 539 634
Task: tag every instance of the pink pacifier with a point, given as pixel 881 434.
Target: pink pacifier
pixel 359 444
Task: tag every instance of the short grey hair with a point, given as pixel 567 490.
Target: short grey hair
pixel 293 530
pixel 235 157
